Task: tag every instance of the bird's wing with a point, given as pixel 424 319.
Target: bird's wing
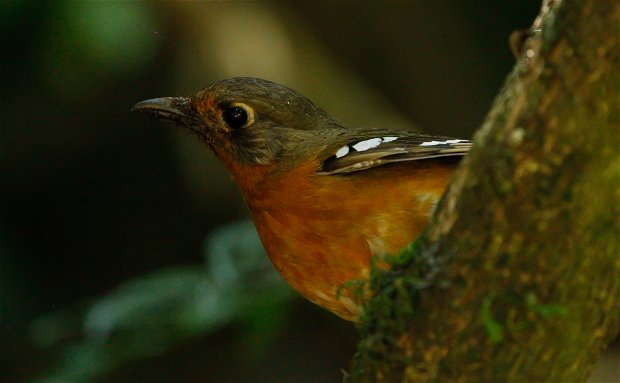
pixel 377 150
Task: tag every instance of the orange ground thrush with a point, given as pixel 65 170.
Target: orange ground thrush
pixel 324 198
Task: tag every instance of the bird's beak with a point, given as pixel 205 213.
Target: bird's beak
pixel 177 110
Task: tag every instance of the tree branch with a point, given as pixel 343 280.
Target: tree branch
pixel 517 277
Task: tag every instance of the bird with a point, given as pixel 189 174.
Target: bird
pixel 325 198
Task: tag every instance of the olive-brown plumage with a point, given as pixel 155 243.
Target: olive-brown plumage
pixel 324 198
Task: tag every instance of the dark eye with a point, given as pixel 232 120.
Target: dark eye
pixel 236 117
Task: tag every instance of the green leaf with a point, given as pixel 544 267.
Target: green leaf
pixel 494 329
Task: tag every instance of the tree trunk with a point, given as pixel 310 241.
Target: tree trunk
pixel 518 276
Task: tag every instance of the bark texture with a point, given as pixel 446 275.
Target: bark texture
pixel 517 278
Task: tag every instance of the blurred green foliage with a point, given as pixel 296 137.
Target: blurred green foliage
pixel 151 314
pixel 92 42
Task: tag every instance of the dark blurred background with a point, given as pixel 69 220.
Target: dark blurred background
pixel 125 251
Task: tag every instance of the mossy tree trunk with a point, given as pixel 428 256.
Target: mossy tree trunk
pixel 518 276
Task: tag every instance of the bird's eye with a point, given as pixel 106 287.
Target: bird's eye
pixel 235 117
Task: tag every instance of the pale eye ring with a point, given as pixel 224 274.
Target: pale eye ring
pixel 238 115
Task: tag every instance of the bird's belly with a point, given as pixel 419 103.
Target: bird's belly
pixel 321 235
pixel 312 262
pixel 323 260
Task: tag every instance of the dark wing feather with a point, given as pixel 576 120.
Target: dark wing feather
pixel 380 149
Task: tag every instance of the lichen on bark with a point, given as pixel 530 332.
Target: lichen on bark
pixel 517 278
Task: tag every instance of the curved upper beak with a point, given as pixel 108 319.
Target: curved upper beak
pixel 177 110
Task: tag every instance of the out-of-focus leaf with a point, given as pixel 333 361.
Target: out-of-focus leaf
pixel 148 315
pixel 235 252
pixel 93 40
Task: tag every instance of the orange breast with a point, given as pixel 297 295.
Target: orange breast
pixel 320 231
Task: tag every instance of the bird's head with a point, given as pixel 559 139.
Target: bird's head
pixel 250 123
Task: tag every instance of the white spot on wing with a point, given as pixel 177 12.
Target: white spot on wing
pixel 367 144
pixel 342 151
pixel 446 142
pixel 364 145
